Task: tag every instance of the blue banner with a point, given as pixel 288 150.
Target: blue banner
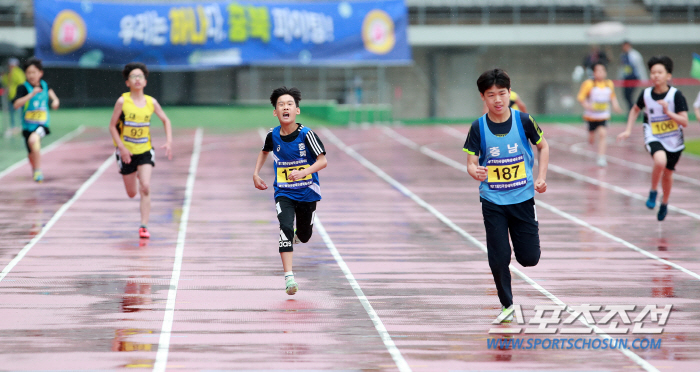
pixel 206 35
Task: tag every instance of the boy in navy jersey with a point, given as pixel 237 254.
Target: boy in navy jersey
pixel 501 158
pixel 298 155
pixel 665 114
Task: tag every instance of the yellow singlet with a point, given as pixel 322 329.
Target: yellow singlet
pixel 135 125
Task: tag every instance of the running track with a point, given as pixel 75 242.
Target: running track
pixel 409 287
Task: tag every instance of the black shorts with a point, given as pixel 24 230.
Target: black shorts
pixel 41 130
pixel 593 125
pixel 148 157
pixel 671 157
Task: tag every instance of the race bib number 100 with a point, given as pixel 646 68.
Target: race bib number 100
pixel 284 170
pixel 663 127
pixel 506 173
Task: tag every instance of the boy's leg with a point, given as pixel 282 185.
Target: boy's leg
pixel 285 216
pixel 34 147
pixel 659 166
pixel 496 223
pixel 143 173
pixel 524 232
pixel 130 184
pixel 591 132
pixel 602 133
pixel 667 182
pixel 305 212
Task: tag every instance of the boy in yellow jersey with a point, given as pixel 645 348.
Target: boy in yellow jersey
pixel 665 114
pixel 596 96
pixel 33 98
pixel 130 130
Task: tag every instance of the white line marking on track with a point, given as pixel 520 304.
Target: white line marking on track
pixel 76 132
pixel 383 333
pixel 388 179
pixel 373 316
pixel 59 213
pixel 165 332
pixel 395 135
pixel 557 169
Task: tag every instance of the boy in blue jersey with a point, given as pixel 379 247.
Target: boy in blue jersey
pixel 33 97
pixel 501 158
pixel 298 155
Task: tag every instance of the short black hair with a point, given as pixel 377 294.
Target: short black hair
pixel 36 62
pixel 279 92
pixel 131 66
pixel 497 77
pixel 599 63
pixel 626 42
pixel 666 61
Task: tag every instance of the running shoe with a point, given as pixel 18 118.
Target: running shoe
pixel 38 176
pixel 663 209
pixel 506 315
pixel 651 202
pixel 292 286
pixel 602 162
pixel 143 233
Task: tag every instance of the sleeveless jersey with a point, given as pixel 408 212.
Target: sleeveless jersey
pixel 35 112
pixel 289 156
pixel 659 127
pixel 135 125
pixel 509 161
pixel 599 98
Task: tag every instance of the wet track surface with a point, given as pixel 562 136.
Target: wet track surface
pixel 90 296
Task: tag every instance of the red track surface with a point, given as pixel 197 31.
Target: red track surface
pixel 89 296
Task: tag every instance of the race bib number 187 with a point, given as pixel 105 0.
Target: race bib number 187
pixel 506 173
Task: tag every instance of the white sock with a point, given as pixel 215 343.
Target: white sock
pixel 288 274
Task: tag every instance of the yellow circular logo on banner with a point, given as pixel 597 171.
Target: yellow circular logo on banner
pixel 378 32
pixel 68 32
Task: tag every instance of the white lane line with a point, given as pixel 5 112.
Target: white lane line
pixel 398 137
pixel 388 179
pixel 165 332
pixel 59 213
pixel 373 316
pixel 76 132
pixel 557 169
pixel 378 325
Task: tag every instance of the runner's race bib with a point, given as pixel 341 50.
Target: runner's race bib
pixel 284 170
pixel 35 116
pixel 600 106
pixel 506 173
pixel 137 134
pixel 663 127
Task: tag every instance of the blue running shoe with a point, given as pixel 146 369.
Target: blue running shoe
pixel 663 209
pixel 38 176
pixel 651 202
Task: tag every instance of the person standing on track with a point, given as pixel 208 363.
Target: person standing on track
pixel 596 95
pixel 33 97
pixel 130 129
pixel 665 113
pixel 500 157
pixel 298 155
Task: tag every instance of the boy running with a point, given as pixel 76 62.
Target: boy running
pixel 665 112
pixel 501 158
pixel 33 97
pixel 130 129
pixel 298 155
pixel 595 96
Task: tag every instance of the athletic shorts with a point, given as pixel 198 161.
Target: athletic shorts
pixel 148 157
pixel 593 125
pixel 671 157
pixel 41 130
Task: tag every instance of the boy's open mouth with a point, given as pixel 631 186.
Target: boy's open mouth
pixel 285 115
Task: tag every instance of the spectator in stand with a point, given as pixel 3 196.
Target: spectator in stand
pixel 596 56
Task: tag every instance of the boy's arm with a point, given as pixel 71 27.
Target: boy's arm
pixel 320 163
pixel 20 101
pixel 543 161
pixel 631 118
pixel 54 99
pixel 477 172
pixel 125 154
pixel 697 114
pixel 616 105
pixel 168 129
pixel 257 181
pixel 582 96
